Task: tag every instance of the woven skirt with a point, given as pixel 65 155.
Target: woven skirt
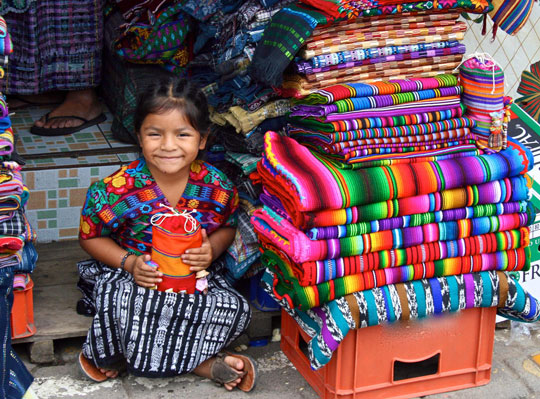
pixel 159 334
pixel 57 46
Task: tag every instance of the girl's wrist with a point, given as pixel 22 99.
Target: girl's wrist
pixel 126 262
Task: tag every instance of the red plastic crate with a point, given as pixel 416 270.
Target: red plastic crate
pixel 401 360
pixel 22 313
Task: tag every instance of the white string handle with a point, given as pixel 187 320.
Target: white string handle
pixel 158 218
pixel 483 58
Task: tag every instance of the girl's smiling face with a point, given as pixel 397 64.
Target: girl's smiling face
pixel 169 143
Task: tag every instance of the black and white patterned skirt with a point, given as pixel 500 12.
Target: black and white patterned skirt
pixel 159 334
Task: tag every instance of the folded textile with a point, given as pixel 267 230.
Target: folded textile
pixel 306 67
pixel 418 219
pixel 454 34
pixel 357 37
pixel 374 159
pixel 329 324
pixel 12 202
pixel 373 102
pixel 395 154
pixel 316 272
pixel 14 226
pixel 160 42
pixel 378 122
pixel 505 190
pixel 398 63
pixel 244 121
pixel 322 138
pixel 286 287
pixel 340 58
pixel 388 142
pixel 247 162
pixel 300 248
pixel 338 92
pixel 338 8
pixel 428 105
pixel 298 86
pixel 306 181
pixel 343 27
pixel 6 142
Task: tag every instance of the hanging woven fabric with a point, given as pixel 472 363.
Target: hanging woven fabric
pixel 483 95
pixel 510 15
pixel 6 47
pixel 172 234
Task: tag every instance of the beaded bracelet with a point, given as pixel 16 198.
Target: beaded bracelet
pixel 123 261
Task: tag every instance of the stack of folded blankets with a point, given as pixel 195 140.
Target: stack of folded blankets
pixel 349 247
pixel 17 253
pixel 374 48
pixel 386 201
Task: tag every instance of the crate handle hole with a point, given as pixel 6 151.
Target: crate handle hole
pixel 406 370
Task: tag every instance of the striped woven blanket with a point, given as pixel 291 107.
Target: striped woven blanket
pixel 358 38
pixel 378 122
pixel 374 102
pixel 305 181
pixel 335 93
pixel 453 34
pixel 317 272
pixel 343 27
pixel 505 190
pixel 343 58
pixel 418 219
pixel 323 138
pixel 329 324
pixel 296 244
pixel 351 9
pixel 298 86
pixel 306 67
pixel 287 288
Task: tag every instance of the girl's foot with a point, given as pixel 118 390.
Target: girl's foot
pixel 230 370
pixel 97 374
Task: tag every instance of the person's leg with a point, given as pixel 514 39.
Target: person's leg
pixel 81 103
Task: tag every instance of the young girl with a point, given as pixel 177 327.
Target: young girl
pixel 154 333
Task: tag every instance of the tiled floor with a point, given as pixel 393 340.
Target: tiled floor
pixel 513 53
pixel 92 146
pixel 59 170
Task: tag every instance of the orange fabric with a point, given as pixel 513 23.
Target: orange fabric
pixel 169 242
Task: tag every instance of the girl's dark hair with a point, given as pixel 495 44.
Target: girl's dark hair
pixel 174 93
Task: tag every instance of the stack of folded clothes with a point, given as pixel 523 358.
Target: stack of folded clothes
pixel 386 201
pixel 383 123
pixel 350 241
pixel 17 253
pixel 374 48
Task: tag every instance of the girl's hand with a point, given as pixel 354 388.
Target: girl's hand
pixel 199 258
pixel 145 275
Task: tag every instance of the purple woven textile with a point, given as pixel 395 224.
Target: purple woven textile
pixel 57 46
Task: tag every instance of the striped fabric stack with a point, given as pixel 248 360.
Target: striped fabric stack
pixel 386 202
pixel 374 48
pixel 383 123
pixel 391 242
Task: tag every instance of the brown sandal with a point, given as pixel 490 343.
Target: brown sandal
pixel 222 373
pixel 94 373
pixel 90 370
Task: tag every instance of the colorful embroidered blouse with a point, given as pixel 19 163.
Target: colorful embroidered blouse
pixel 121 205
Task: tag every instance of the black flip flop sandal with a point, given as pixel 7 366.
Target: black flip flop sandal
pixel 62 131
